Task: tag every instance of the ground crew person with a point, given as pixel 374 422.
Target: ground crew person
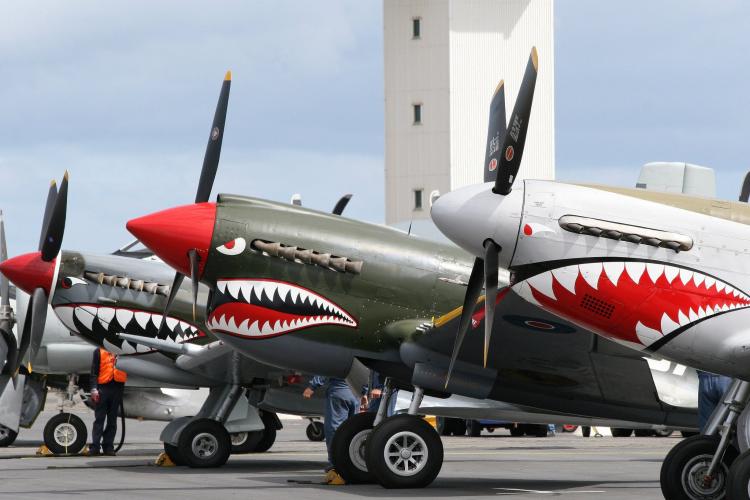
pixel 107 383
pixel 340 405
pixel 711 389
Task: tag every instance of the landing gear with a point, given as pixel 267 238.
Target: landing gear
pixel 348 448
pixel 698 468
pixel 174 454
pixel 268 434
pixel 315 431
pixel 245 442
pixel 738 484
pixel 684 472
pixel 621 433
pixel 65 434
pixel 404 452
pixel 7 436
pixel 204 443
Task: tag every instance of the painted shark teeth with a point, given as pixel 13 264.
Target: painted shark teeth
pixel 598 278
pixel 120 320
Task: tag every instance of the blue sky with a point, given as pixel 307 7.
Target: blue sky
pixel 122 95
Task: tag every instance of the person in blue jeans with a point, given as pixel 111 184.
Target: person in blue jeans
pixel 340 405
pixel 711 389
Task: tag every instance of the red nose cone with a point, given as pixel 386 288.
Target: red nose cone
pixel 172 233
pixel 29 272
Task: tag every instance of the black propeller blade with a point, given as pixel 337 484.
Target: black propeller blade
pixel 341 204
pixel 194 277
pixel 38 306
pixel 515 138
pixel 495 133
pixel 491 251
pixel 56 226
pixel 176 283
pixel 745 193
pixel 6 324
pixel 473 290
pixel 213 149
pixel 48 209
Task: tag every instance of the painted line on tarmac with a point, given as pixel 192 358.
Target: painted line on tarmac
pixel 521 491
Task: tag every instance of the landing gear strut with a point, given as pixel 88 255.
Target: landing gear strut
pixel 698 468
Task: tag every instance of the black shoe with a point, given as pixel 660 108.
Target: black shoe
pixel 94 453
pixel 110 453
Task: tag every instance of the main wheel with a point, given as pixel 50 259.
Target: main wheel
pixel 684 468
pixel 644 433
pixel 348 448
pixel 663 433
pixel 7 436
pixel 404 451
pixel 65 434
pixel 586 431
pixel 315 431
pixel 473 428
pixel 245 442
pixel 738 482
pixel 517 431
pixel 174 454
pixel 621 433
pixel 267 435
pixel 204 443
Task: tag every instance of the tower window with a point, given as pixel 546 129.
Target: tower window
pixel 416 27
pixel 417 114
pixel 418 199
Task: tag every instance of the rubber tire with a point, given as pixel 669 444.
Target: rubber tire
pixel 739 478
pixel 376 446
pixel 174 454
pixel 586 431
pixel 458 426
pixel 442 426
pixel 198 426
pixel 247 446
pixel 267 435
pixel 687 434
pixel 342 438
pixel 81 434
pixel 517 431
pixel 621 433
pixel 315 431
pixel 663 433
pixel 644 433
pixel 674 462
pixel 473 428
pixel 7 436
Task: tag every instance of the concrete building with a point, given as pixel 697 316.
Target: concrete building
pixel 443 60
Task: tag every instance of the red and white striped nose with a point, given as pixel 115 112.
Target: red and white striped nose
pixel 172 233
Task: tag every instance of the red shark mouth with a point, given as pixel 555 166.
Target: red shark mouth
pixel 635 303
pixel 262 308
pixel 106 322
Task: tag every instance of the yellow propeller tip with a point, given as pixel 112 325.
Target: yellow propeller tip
pixel 228 76
pixel 535 58
pixel 499 87
pixel 29 366
pixel 52 183
pixel 66 175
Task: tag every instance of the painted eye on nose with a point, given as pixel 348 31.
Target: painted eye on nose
pixel 232 247
pixel 69 281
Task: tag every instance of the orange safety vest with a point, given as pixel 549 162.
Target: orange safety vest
pixel 107 370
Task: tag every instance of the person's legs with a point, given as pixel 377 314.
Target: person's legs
pixel 112 398
pixel 705 399
pixel 100 414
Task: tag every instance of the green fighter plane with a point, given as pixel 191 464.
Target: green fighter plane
pixel 319 293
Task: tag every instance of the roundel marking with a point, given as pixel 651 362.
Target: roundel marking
pixel 509 153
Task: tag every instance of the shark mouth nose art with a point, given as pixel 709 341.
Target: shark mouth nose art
pixel 267 308
pixel 107 322
pixel 637 303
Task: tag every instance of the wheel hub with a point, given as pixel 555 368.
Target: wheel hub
pixel 406 453
pixel 65 434
pixel 238 438
pixel 698 485
pixel 204 445
pixel 357 447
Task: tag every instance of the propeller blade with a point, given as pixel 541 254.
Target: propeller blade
pixel 745 193
pixel 194 268
pixel 515 138
pixel 213 149
pixel 48 209
pixel 24 341
pixel 495 133
pixel 341 204
pixel 11 351
pixel 56 226
pixel 473 290
pixel 4 283
pixel 176 283
pixel 38 308
pixel 491 251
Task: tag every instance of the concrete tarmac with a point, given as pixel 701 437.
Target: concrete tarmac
pixel 489 466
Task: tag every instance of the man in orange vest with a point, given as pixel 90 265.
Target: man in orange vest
pixel 107 383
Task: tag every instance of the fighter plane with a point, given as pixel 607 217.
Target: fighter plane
pixel 658 273
pixel 315 292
